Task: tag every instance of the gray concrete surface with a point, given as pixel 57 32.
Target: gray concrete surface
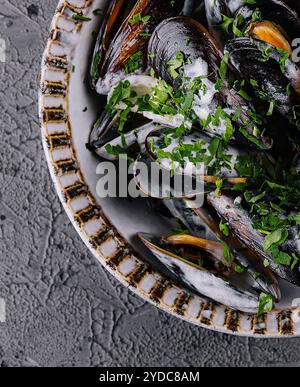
pixel 62 309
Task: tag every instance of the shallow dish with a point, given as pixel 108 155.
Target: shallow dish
pixel 109 226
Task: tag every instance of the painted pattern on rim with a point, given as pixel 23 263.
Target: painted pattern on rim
pixel 102 238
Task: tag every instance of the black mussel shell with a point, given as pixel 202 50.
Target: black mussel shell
pixel 129 143
pixel 183 34
pixel 275 11
pixel 198 279
pixel 116 13
pixel 241 225
pixel 158 182
pixel 277 79
pixel 132 39
pixel 293 4
pixel 106 130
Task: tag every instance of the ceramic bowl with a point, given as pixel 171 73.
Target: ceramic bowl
pixel 109 226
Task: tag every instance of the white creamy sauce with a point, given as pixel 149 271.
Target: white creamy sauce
pixel 199 68
pixel 238 201
pixel 203 101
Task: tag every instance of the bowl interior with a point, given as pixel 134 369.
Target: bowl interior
pixel 127 215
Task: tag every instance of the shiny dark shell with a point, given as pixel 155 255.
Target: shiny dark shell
pixel 188 36
pixel 294 4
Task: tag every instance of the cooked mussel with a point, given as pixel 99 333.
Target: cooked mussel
pixel 213 134
pixel 202 61
pixel 138 88
pixel 185 166
pixel 105 129
pixel 210 282
pixel 204 223
pixel 272 21
pixel 183 34
pixel 276 77
pixel 293 4
pixel 219 14
pixel 156 181
pixel 241 225
pixel 117 12
pixel 181 154
pixel 128 49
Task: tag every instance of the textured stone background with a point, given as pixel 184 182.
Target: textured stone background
pixel 62 308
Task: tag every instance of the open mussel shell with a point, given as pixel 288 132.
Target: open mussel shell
pixel 132 39
pixel 183 34
pixel 105 129
pixel 262 63
pixel 116 13
pixel 241 225
pixel 204 58
pixel 198 279
pixel 262 278
pixel 270 33
pixel 202 222
pixel 274 11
